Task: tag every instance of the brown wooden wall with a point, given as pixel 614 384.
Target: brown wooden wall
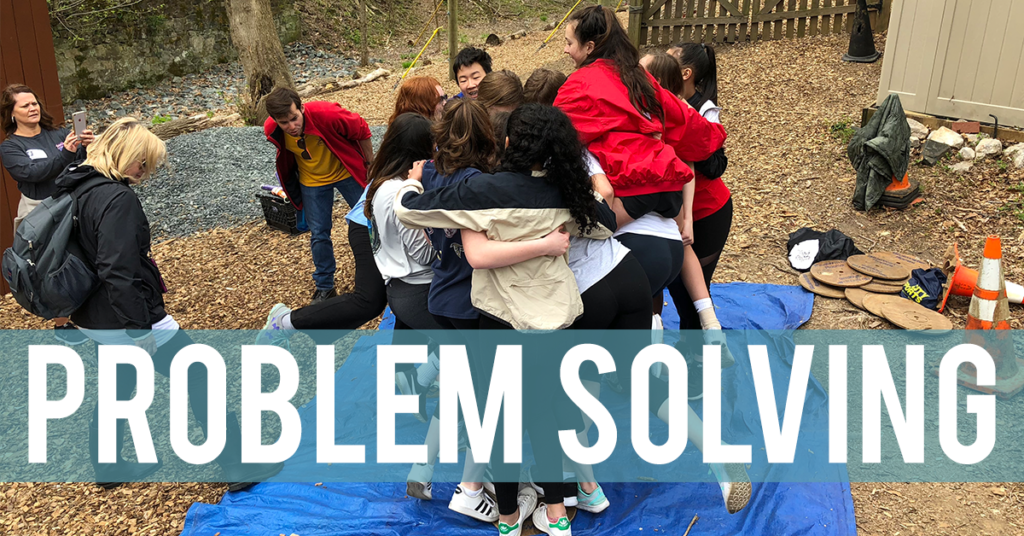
pixel 26 57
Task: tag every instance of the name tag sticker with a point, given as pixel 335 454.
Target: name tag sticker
pixel 36 154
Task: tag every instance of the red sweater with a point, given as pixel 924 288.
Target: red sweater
pixel 640 155
pixel 341 131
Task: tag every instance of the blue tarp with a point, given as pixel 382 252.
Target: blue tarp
pixel 382 508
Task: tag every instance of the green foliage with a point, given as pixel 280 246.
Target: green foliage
pixel 842 130
pixel 160 119
pixel 1003 165
pixel 71 19
pixel 406 64
pixel 463 39
pixel 543 18
pixel 209 115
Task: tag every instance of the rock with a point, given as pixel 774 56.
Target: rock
pixel 1010 151
pixel 917 130
pixel 933 151
pixel 493 40
pixel 517 35
pixel 971 138
pixel 987 148
pixel 1018 160
pixel 947 137
pixel 962 167
pixel 549 26
pixel 915 143
pixel 967 153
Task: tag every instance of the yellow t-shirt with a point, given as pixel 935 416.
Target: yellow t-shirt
pixel 324 168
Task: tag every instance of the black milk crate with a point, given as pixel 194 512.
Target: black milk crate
pixel 280 214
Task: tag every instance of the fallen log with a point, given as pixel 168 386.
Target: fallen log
pixel 324 85
pixel 195 123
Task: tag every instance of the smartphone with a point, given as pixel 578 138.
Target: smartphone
pixel 78 118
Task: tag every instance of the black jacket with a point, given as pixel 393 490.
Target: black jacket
pixel 113 234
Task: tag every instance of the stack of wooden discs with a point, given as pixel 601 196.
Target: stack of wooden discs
pixel 873 283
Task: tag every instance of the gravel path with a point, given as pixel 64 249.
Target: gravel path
pixel 212 180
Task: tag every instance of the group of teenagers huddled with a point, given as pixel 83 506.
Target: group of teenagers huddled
pixel 562 203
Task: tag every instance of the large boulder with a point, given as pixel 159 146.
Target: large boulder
pixel 989 147
pixel 1018 160
pixel 946 136
pixel 917 130
pixel 1012 150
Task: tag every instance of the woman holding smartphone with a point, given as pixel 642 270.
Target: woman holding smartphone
pixel 35 152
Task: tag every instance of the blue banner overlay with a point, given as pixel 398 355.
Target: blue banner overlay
pixel 786 406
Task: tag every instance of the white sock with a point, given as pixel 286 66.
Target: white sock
pixel 427 372
pixel 703 303
pixel 473 494
pixel 286 322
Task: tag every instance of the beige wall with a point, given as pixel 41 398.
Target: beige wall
pixel 957 58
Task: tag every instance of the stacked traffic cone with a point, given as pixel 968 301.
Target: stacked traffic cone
pixel 988 326
pixel 961 280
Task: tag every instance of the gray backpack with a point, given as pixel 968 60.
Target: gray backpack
pixel 44 267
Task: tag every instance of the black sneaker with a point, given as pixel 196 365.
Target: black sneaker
pixel 69 334
pixel 321 295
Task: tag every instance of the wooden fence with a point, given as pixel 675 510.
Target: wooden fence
pixel 666 22
pixel 26 57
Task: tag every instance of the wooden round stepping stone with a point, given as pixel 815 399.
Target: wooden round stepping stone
pixel 910 262
pixel 913 316
pixel 856 296
pixel 873 302
pixel 838 274
pixel 881 287
pixel 820 288
pixel 878 267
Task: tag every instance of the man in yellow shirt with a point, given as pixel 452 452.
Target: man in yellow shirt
pixel 321 147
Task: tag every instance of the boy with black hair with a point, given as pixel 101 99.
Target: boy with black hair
pixel 470 66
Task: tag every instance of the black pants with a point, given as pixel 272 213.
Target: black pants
pixel 409 304
pixel 349 311
pixel 660 258
pixel 127 378
pixel 709 237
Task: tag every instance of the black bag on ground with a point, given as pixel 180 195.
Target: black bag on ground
pixel 831 245
pixel 44 267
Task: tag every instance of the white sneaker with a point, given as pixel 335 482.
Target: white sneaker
pixel 735 484
pixel 558 528
pixel 527 501
pixel 481 507
pixel 657 337
pixel 273 333
pixel 418 483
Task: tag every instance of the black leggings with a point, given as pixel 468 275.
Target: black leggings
pixel 660 258
pixel 127 378
pixel 545 393
pixel 709 237
pixel 365 302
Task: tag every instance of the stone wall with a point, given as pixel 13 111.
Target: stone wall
pixel 186 40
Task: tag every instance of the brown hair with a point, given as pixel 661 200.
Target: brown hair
pixel 500 123
pixel 7 101
pixel 667 71
pixel 598 24
pixel 500 88
pixel 465 138
pixel 542 86
pixel 417 95
pixel 279 102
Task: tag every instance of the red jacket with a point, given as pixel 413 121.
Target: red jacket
pixel 341 131
pixel 640 155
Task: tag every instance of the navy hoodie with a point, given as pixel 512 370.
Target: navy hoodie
pixel 453 276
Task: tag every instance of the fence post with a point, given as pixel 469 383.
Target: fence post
pixel 636 13
pixel 364 52
pixel 883 17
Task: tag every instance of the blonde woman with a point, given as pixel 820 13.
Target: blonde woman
pixel 128 306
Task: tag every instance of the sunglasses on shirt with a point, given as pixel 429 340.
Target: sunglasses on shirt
pixel 302 145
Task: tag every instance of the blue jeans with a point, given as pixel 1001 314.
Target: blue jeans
pixel 318 205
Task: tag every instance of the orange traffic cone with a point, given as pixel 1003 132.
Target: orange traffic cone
pixel 990 311
pixel 961 280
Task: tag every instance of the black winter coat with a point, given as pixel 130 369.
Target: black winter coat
pixel 113 234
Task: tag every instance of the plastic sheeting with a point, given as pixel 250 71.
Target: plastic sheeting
pixel 383 509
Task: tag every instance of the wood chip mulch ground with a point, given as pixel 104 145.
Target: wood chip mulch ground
pixel 783 101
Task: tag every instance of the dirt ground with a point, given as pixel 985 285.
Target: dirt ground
pixel 787 170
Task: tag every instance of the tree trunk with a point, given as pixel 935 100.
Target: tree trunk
pixel 254 35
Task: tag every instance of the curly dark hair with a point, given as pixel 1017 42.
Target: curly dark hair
pixel 543 134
